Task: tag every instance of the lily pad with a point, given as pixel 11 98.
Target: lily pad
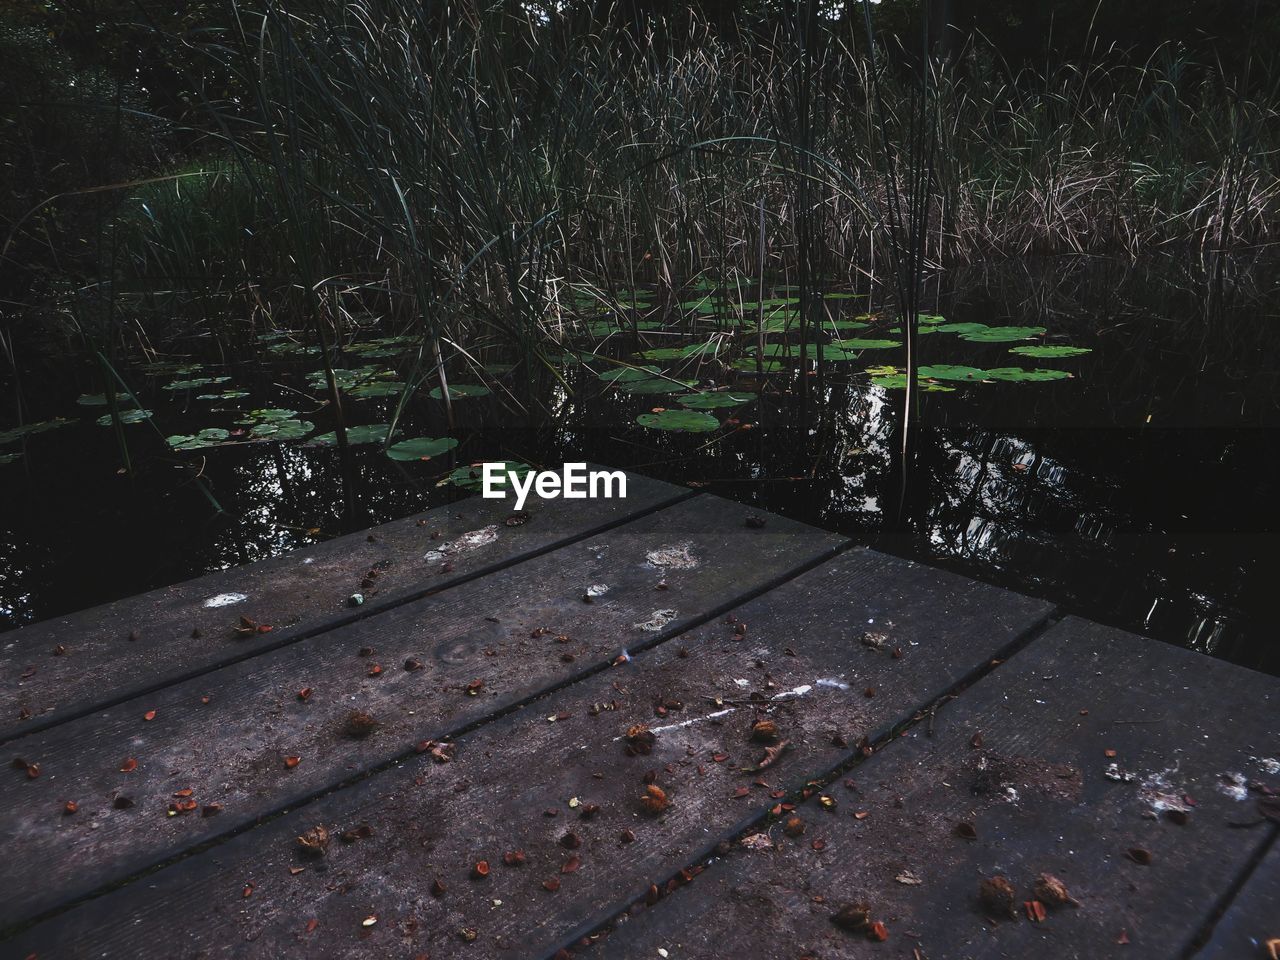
pixel 233 394
pixel 26 430
pixel 714 401
pixel 458 391
pixel 898 381
pixel 126 416
pixel 267 415
pixel 1001 334
pixel 1050 352
pixel 376 389
pixel 205 438
pixel 192 384
pixel 421 448
pixel 656 385
pixel 472 477
pixel 1018 375
pixel 858 344
pixel 680 421
pixel 9 458
pixel 281 430
pixel 681 353
pixel 365 433
pixel 627 374
pixel 748 365
pixel 960 328
pixel 948 371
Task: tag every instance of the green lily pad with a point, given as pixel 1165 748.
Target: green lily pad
pixel 626 374
pixel 472 478
pixel 281 430
pixel 267 415
pixel 421 448
pixel 1050 352
pixel 192 384
pixel 376 389
pixel 898 381
pixel 681 353
pixel 205 438
pixel 714 401
pixel 841 295
pixel 961 328
pixel 1001 334
pixel 27 429
pixel 1018 375
pixel 748 365
pixel 948 371
pixel 9 458
pixel 126 416
pixel 656 385
pixel 233 394
pixel 365 433
pixel 458 391
pixel 857 344
pixel 681 421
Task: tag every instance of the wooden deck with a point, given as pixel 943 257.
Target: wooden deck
pixel 923 733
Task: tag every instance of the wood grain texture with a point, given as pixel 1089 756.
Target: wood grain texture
pixel 1252 919
pixel 479 648
pixel 121 649
pixel 526 779
pixel 1042 794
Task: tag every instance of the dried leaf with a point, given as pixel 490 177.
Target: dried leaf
pixel 571 865
pixel 771 756
pixel 149 715
pixel 129 765
pixel 292 762
pixel 655 799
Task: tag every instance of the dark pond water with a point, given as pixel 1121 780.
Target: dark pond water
pixel 1140 491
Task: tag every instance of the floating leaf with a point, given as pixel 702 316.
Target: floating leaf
pixel 282 430
pixel 376 389
pixel 472 477
pixel 233 394
pixel 420 448
pixel 1017 375
pixel 205 438
pixel 627 374
pixel 748 364
pixel 657 385
pixel 684 421
pixel 961 328
pixel 459 390
pixel 681 353
pixel 1050 352
pixel 1001 334
pixel 192 384
pixel 126 416
pixel 948 371
pixel 365 433
pixel 857 344
pixel 714 401
pixel 898 381
pixel 267 415
pixel 9 458
pixel 27 429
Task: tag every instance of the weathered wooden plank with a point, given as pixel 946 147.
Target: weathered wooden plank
pixel 1043 794
pixel 1252 919
pixel 475 650
pixel 800 663
pixel 70 665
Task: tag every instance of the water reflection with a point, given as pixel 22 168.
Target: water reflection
pixel 1138 493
